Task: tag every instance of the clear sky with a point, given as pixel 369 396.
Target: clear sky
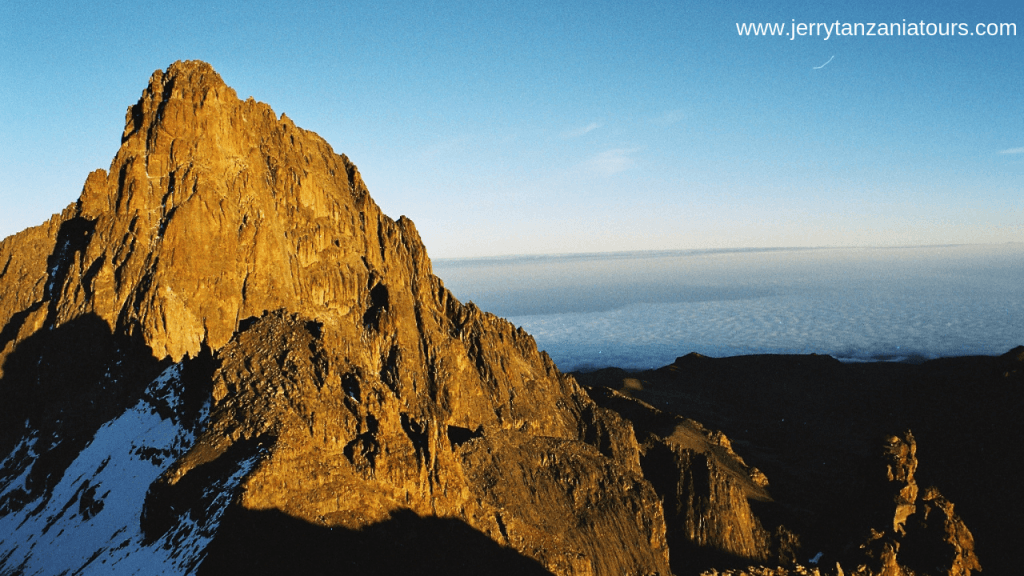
pixel 559 127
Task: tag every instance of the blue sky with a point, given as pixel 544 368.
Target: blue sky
pixel 544 127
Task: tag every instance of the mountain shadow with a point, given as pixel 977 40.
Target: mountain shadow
pixel 812 423
pixel 271 542
pixel 59 386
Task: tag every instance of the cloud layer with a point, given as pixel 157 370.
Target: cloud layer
pixel 642 310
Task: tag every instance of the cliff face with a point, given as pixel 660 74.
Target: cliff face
pixel 229 287
pixel 705 486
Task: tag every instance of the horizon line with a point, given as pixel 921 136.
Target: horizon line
pixel 694 251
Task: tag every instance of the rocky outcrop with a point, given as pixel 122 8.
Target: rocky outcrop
pixel 706 489
pixel 938 541
pixel 23 273
pixel 813 426
pixel 914 536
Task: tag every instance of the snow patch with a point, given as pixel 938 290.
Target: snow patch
pixel 25 450
pixel 91 523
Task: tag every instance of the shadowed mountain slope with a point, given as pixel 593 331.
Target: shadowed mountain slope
pixel 815 427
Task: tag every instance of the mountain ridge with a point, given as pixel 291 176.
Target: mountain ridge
pixel 214 214
pixel 228 318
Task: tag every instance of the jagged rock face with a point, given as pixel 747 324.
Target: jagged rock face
pixel 901 463
pixel 339 448
pixel 924 535
pixel 706 487
pixel 215 210
pixel 23 272
pixel 347 387
pixel 938 540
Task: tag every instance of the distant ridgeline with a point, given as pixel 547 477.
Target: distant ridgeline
pixel 223 358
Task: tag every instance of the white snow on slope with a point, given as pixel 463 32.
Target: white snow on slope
pixel 25 450
pixel 91 523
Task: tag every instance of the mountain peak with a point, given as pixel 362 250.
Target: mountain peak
pixel 193 73
pixel 214 210
pixel 193 81
pixel 345 384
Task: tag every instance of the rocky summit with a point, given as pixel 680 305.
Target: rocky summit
pixel 224 358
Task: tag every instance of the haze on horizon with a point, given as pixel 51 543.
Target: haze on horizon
pixel 541 128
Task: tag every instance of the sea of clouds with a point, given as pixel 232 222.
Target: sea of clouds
pixel 644 309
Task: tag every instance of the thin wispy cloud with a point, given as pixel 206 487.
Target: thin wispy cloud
pixel 1012 151
pixel 581 131
pixel 611 161
pixel 671 117
pixel 825 64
